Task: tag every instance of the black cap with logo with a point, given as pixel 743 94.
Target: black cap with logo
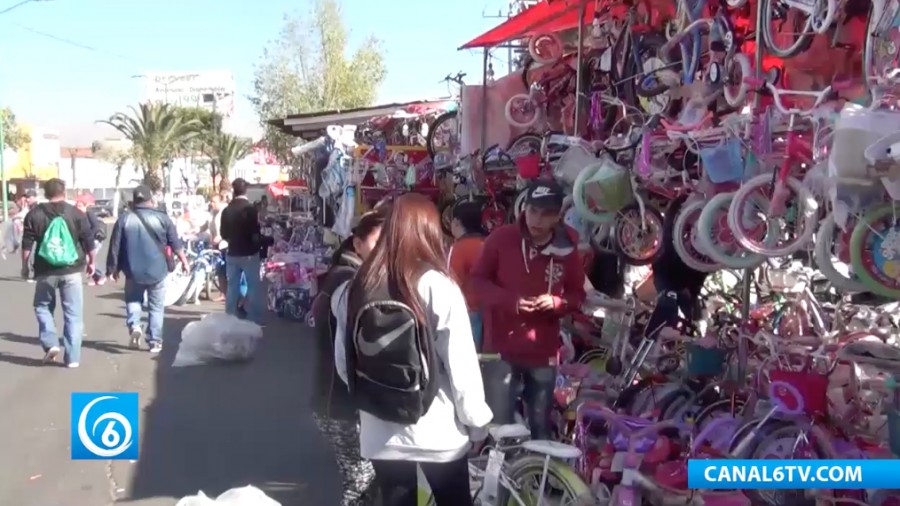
pixel 545 194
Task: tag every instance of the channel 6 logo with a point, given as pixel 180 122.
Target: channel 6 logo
pixel 104 426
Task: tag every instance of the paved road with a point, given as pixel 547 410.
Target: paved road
pixel 202 427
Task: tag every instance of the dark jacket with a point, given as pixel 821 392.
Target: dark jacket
pixel 240 227
pixel 331 397
pixel 98 228
pixel 35 225
pixel 137 253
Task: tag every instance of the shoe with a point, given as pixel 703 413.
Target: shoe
pixel 51 355
pixel 91 282
pixel 72 365
pixel 136 334
pixel 31 281
pixel 101 281
pixel 155 347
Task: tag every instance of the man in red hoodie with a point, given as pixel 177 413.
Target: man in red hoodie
pixel 528 277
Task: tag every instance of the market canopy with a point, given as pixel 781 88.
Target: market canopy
pixel 548 16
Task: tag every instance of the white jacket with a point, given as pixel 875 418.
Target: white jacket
pixel 459 409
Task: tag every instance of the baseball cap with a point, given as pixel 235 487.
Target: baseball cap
pixel 142 194
pixel 545 194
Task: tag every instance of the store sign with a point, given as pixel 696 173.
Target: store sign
pixel 213 90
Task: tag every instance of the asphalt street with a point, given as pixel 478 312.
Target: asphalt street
pixel 208 427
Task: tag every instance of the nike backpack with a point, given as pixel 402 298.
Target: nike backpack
pixel 57 246
pixel 391 361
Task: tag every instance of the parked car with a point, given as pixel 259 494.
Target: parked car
pixel 103 208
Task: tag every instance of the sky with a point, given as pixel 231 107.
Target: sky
pixel 66 63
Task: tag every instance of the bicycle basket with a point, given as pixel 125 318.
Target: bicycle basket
pixel 813 390
pixel 572 161
pixel 893 422
pixel 723 163
pixel 703 361
pixel 529 165
pixel 609 187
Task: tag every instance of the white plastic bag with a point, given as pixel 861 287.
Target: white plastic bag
pixel 218 336
pixel 243 496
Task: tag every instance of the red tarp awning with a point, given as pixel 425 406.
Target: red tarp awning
pixel 545 17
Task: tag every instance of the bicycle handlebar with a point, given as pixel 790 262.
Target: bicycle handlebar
pixel 820 96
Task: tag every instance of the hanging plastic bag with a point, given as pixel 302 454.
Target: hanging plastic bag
pixel 217 337
pixel 243 496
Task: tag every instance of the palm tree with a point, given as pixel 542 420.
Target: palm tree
pixel 156 131
pixel 118 156
pixel 224 150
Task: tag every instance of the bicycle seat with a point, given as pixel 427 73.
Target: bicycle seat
pixel 553 449
pixel 509 431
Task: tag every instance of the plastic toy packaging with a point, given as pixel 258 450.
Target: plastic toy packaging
pixel 217 337
pixel 243 496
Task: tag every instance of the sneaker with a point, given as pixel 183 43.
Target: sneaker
pixel 72 365
pixel 31 281
pixel 101 281
pixel 51 355
pixel 136 334
pixel 91 282
pixel 155 347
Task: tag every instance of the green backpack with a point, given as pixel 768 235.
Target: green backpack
pixel 57 246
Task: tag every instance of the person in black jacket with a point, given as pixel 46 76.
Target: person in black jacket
pixel 98 230
pixel 333 408
pixel 240 228
pixel 677 285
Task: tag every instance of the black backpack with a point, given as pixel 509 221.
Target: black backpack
pixel 391 361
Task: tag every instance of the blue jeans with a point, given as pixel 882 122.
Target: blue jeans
pixel 134 304
pixel 477 328
pixel 71 296
pixel 503 382
pixel 249 267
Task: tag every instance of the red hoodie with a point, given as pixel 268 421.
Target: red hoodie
pixel 503 275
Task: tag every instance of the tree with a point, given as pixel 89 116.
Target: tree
pixel 117 155
pixel 157 131
pixel 210 124
pixel 13 136
pixel 306 70
pixel 224 150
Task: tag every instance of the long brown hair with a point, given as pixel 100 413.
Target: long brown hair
pixel 411 244
pixel 367 224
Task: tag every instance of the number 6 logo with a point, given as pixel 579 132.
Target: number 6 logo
pixel 115 444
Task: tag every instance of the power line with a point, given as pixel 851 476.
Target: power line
pixel 71 42
pixel 16 6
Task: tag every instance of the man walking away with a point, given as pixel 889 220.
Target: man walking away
pixel 217 205
pixel 98 231
pixel 142 246
pixel 528 277
pixel 240 227
pixel 58 239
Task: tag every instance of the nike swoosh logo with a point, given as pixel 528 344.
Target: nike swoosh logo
pixel 374 348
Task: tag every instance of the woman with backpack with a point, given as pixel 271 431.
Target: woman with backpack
pixel 333 410
pixel 404 347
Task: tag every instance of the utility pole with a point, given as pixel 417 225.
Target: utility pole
pixel 4 200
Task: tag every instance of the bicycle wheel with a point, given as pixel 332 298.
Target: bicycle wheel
pixel 563 487
pixel 524 144
pixel 714 237
pixel 639 240
pixel 875 251
pixel 793 34
pixel 827 263
pixel 782 444
pixel 522 111
pixel 752 200
pixel 682 234
pixel 443 135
